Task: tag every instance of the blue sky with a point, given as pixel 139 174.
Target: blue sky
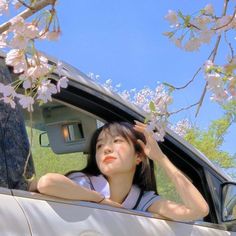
pixel 123 41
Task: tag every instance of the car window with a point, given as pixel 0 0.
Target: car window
pixel 45 160
pixel 164 186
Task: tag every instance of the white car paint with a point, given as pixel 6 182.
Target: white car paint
pixel 52 216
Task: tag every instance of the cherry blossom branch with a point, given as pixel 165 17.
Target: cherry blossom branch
pixel 26 5
pixel 39 5
pixel 226 24
pixel 230 47
pixel 184 108
pixel 213 59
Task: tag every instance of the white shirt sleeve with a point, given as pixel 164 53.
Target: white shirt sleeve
pixel 80 179
pixel 148 198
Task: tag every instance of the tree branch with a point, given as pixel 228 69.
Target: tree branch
pixel 28 12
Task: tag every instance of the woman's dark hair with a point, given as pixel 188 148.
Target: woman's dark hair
pixel 144 175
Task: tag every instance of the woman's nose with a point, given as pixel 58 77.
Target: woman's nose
pixel 108 148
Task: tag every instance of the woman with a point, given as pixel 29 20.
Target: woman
pixel 120 174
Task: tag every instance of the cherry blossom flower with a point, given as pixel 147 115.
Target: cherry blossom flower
pixel 181 127
pixel 26 102
pixel 8 90
pixel 16 4
pixel 177 42
pixel 30 31
pixel 157 126
pixel 222 24
pixel 205 36
pixel 19 41
pixel 39 67
pixel 192 45
pixel 16 58
pixel 172 17
pixel 209 9
pixel 45 91
pixel 51 35
pixel 3 7
pixel 3 38
pixel 17 24
pixel 10 101
pixel 232 86
pixel 62 83
pixel 201 22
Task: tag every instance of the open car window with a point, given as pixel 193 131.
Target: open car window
pixel 60 116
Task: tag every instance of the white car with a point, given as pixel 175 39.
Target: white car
pixel 68 123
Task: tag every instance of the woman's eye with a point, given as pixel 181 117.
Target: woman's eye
pixel 99 146
pixel 118 140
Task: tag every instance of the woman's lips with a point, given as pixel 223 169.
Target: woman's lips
pixel 109 159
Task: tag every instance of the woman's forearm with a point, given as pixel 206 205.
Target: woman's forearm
pixel 189 194
pixel 58 185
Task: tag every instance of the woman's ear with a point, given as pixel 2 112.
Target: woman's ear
pixel 139 159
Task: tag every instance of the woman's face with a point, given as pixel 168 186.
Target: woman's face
pixel 115 154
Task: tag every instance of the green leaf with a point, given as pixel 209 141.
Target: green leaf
pixel 152 106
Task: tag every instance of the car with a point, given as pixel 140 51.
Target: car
pixel 65 126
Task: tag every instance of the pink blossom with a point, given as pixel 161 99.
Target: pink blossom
pixel 8 90
pixel 62 83
pixel 158 126
pixel 177 42
pixel 206 35
pixel 181 127
pixel 3 38
pixel 16 4
pixel 232 86
pixel 209 9
pixel 17 24
pixel 26 102
pixel 201 22
pixel 28 82
pixel 9 100
pixel 208 65
pixel 223 23
pixel 37 71
pixel 39 67
pixel 19 41
pixel 16 58
pixel 51 35
pixel 31 31
pixel 172 17
pixel 192 45
pixel 45 91
pixel 3 6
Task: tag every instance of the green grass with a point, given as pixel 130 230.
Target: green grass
pixel 45 160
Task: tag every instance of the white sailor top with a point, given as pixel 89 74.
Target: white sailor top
pixel 136 199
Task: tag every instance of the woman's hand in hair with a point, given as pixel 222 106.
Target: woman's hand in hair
pixel 151 149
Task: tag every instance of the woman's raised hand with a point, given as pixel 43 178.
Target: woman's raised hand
pixel 151 149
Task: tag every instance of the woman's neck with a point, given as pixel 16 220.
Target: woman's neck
pixel 120 186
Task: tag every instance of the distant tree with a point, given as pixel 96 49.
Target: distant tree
pixel 210 141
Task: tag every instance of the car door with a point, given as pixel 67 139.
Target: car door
pixel 12 217
pixel 52 216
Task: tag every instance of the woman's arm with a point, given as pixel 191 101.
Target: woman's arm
pixel 58 185
pixel 194 206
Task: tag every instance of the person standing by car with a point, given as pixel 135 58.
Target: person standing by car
pixel 120 173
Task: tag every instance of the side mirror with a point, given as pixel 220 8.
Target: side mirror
pixel 43 140
pixel 229 201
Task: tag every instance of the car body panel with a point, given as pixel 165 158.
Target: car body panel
pixel 52 216
pixel 13 220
